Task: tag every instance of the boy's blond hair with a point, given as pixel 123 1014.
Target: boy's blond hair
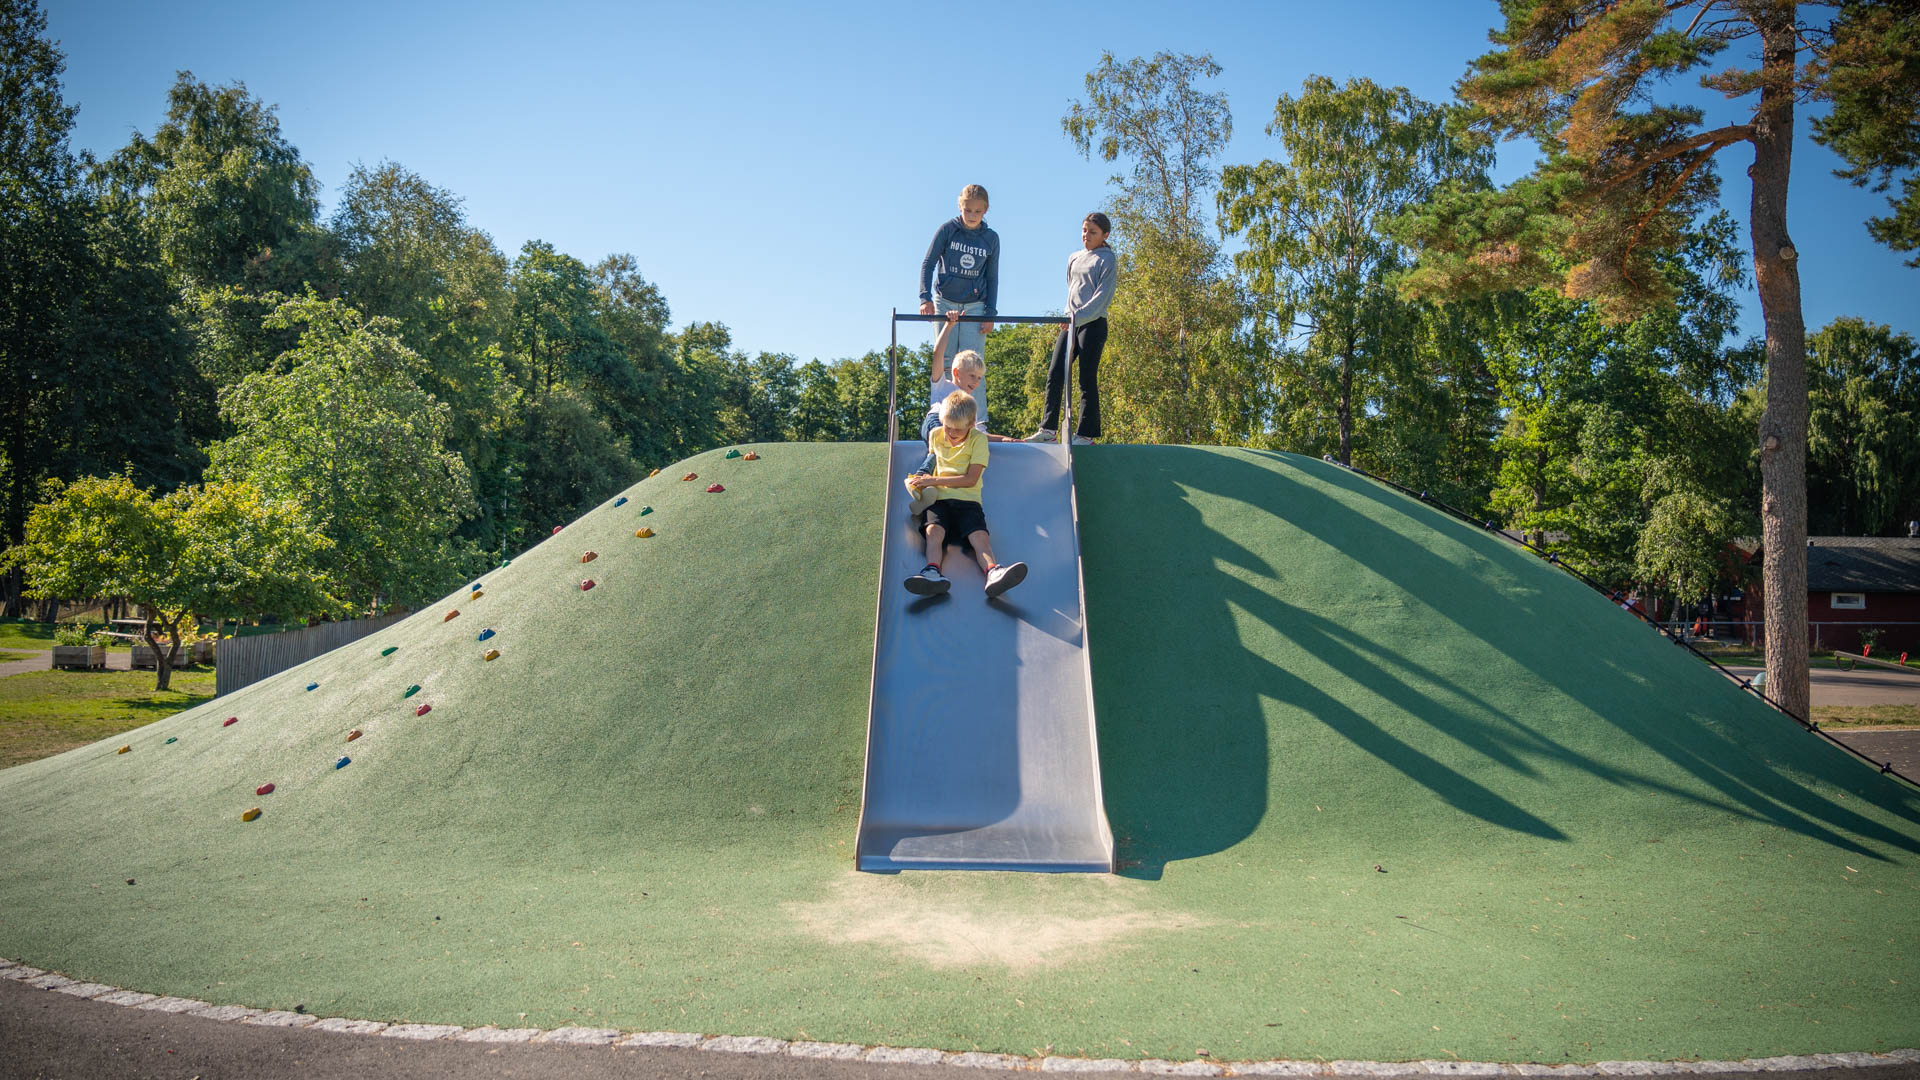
pixel 969 360
pixel 974 191
pixel 959 408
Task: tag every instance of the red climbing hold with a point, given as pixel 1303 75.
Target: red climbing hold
pixel 423 710
pixel 556 530
pixel 229 721
pixel 263 789
pixel 715 488
pixel 587 584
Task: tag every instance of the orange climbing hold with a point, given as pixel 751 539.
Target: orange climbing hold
pixel 690 476
pixel 589 556
pixel 354 734
pixel 653 474
pixel 751 456
pixel 714 488
pixel 643 533
pixel 263 789
pixel 490 654
pixel 452 615
pixel 249 815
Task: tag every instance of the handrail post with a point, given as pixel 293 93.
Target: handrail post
pixel 893 377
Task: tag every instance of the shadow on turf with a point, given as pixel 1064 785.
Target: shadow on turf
pixel 1186 771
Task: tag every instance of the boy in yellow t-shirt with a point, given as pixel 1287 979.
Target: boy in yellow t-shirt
pixel 960 460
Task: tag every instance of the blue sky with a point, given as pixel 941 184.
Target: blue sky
pixel 781 167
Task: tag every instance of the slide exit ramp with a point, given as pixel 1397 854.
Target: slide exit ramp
pixel 980 726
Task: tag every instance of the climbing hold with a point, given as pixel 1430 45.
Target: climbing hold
pixel 690 476
pixel 587 584
pixel 313 686
pixel 249 815
pixel 714 488
pixel 477 594
pixel 230 721
pixel 263 789
pixel 411 690
pixel 733 453
pixel 172 740
pixel 506 562
pixel 343 763
pixel 645 510
pixel 475 587
pixel 485 634
pixel 389 650
pixel 423 710
pixel 354 734
pixel 589 556
pixel 751 456
pixel 490 654
pixel 451 615
pixel 653 474
pixel 621 501
pixel 123 750
pixel 643 532
pixel 556 530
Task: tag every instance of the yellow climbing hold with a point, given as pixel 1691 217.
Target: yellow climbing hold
pixel 643 532
pixel 249 815
pixel 123 750
pixel 491 654
pixel 653 474
pixel 477 594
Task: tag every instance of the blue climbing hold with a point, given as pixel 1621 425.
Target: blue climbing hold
pixel 487 633
pixel 475 587
pixel 621 501
pixel 343 763
pixel 313 686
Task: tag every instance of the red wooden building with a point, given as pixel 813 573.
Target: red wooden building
pixel 1857 583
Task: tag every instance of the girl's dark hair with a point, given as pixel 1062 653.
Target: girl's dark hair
pixel 1099 221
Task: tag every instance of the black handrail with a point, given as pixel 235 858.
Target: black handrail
pixel 893 360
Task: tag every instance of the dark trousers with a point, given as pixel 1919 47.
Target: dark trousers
pixel 1085 342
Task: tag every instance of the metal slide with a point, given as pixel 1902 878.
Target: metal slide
pixel 980 738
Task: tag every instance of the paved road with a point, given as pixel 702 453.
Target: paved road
pixel 1862 686
pixel 42 660
pixel 51 1036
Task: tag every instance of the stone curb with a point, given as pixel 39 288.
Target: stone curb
pixel 755 1044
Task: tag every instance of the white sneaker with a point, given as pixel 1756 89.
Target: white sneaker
pixel 1043 435
pixel 928 582
pixel 1082 440
pixel 1002 578
pixel 920 500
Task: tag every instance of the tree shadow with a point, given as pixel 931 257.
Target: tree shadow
pixel 1184 736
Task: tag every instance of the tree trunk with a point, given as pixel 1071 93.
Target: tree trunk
pixel 1345 409
pixel 1783 427
pixel 162 665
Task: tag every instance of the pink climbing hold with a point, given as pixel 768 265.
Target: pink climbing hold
pixel 423 710
pixel 230 721
pixel 587 584
pixel 263 789
pixel 715 488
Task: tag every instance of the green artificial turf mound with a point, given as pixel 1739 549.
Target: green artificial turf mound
pixel 1384 787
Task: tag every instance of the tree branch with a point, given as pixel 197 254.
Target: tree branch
pixel 1713 140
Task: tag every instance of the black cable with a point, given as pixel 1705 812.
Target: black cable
pixel 1886 767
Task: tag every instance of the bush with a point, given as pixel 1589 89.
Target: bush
pixel 72 633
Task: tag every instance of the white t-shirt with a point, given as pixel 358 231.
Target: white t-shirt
pixel 946 386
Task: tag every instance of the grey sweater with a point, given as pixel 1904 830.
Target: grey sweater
pixel 1090 279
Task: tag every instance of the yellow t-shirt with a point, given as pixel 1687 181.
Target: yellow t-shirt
pixel 951 460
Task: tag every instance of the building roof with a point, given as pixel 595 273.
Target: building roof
pixel 1863 564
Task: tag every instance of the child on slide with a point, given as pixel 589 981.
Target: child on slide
pixel 969 373
pixel 956 516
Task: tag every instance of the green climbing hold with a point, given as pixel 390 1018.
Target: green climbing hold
pixel 411 690
pixel 175 739
pixel 389 650
pixel 645 510
pixel 733 453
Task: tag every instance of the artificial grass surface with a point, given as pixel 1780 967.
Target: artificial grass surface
pixel 46 712
pixel 1385 788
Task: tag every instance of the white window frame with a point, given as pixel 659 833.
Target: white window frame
pixel 1847 601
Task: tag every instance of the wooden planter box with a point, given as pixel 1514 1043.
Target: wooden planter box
pixel 85 657
pixel 203 652
pixel 144 657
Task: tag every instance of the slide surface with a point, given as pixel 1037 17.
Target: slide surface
pixel 980 734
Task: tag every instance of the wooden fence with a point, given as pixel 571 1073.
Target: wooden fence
pixel 244 660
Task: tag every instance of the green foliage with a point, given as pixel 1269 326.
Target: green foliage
pixel 72 634
pixel 1873 80
pixel 198 550
pixel 1863 445
pixel 346 432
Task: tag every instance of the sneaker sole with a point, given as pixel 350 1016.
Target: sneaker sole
pixel 920 586
pixel 1014 576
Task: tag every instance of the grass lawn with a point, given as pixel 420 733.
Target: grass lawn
pixel 20 634
pixel 45 712
pixel 7 657
pixel 1854 716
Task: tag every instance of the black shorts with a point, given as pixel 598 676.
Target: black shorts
pixel 960 517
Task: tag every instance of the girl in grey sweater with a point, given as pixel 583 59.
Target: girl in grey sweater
pixel 1091 274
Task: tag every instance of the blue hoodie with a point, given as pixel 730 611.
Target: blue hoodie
pixel 968 261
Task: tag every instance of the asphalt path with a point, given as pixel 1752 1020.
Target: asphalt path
pixel 51 1036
